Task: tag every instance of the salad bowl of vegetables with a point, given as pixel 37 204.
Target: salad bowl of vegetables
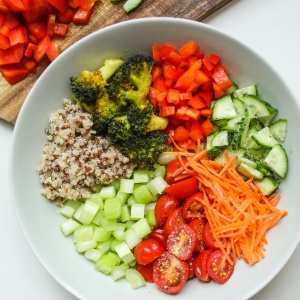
pixel 155 157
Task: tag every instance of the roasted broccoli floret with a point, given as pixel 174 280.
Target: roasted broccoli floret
pixel 132 80
pixel 145 150
pixel 119 129
pixel 86 87
pixel 135 122
pixel 104 111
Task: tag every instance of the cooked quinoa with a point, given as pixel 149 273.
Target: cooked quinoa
pixel 74 159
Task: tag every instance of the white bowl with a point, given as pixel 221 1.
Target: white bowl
pixel 39 218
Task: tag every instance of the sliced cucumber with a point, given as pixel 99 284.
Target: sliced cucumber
pixel 239 106
pixel 222 159
pixel 279 129
pixel 223 109
pixel 249 90
pixel 220 139
pixel 273 112
pixel 130 5
pixel 267 185
pixel 249 171
pixel 257 108
pixel 264 138
pixel 277 160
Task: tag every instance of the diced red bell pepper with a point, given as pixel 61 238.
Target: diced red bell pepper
pixel 30 64
pixel 174 58
pixel 156 53
pixel 167 111
pixel 197 103
pixel 173 96
pixel 201 77
pixel 35 10
pixel 38 29
pixel 165 50
pixel 15 5
pixel 41 48
pixel 60 29
pixel 18 35
pixel 217 90
pixel 11 55
pixel 61 5
pixel 161 96
pixel 50 24
pixel 29 50
pixel 67 16
pixel 208 64
pixel 169 71
pixel 206 96
pixel 188 49
pixel 214 58
pixel 194 114
pixel 206 112
pixel 207 127
pixel 187 78
pixel 3 7
pixel 196 131
pixel 159 84
pixel 4 42
pixel 186 96
pixel 156 72
pixel 82 16
pixel 222 79
pixel 13 74
pixel 181 134
pixel 53 51
pixel 10 21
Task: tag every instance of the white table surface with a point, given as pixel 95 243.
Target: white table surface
pixel 271 28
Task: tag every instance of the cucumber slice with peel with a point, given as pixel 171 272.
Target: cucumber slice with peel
pixel 277 160
pixel 279 129
pixel 223 109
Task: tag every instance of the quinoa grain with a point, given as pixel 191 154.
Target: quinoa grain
pixel 75 159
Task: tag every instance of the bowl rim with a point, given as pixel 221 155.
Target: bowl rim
pixel 52 65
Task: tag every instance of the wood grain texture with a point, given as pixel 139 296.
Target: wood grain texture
pixel 105 13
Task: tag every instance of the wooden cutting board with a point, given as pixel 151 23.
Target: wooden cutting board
pixel 104 14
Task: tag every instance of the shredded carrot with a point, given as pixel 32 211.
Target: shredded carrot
pixel 238 213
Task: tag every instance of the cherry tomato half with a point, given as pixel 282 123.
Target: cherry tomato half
pixel 200 265
pixel 174 219
pixel 164 206
pixel 172 167
pixel 208 237
pixel 198 225
pixel 146 271
pixel 183 188
pixel 147 251
pixel 193 207
pixel 218 267
pixel 181 241
pixel 170 273
pixel 158 234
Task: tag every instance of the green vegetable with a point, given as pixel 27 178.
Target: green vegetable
pixel 112 221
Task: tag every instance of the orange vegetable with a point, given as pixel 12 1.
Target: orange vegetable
pixel 238 213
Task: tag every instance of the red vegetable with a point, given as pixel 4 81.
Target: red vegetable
pixel 164 206
pixel 146 271
pixel 147 251
pixel 218 267
pixel 197 225
pixel 170 273
pixel 193 207
pixel 200 265
pixel 182 189
pixel 182 241
pixel 175 218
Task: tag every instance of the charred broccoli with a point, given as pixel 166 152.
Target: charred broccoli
pixel 145 150
pixel 132 80
pixel 104 111
pixel 86 87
